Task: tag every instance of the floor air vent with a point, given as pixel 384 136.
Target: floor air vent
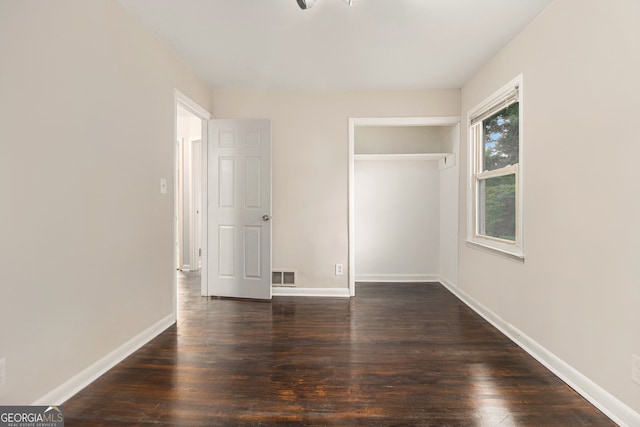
pixel 283 278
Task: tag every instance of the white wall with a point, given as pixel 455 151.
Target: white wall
pixel 87 119
pixel 397 220
pixel 448 203
pixel 310 166
pixel 577 294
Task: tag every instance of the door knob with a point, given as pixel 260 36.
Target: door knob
pixel 266 217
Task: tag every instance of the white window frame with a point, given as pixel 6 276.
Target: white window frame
pixel 509 93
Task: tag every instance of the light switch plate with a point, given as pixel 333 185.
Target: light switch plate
pixel 163 186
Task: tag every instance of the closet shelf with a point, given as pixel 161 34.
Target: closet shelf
pixel 412 156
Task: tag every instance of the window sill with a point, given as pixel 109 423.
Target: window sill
pixel 491 249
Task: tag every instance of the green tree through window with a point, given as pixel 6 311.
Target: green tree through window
pixel 499 207
pixel 501 134
pixel 501 139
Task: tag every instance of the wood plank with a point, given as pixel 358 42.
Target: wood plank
pixel 397 354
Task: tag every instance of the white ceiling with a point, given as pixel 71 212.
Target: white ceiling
pixel 373 44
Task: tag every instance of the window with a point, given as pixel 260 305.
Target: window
pixel 495 187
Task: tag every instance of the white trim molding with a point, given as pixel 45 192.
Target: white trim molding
pixel 405 121
pixel 612 407
pixel 278 291
pixel 191 105
pixel 85 377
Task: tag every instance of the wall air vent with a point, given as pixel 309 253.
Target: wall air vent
pixel 286 278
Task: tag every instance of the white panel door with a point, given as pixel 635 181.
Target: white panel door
pixel 239 214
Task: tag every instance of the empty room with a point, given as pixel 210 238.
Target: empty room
pixel 320 212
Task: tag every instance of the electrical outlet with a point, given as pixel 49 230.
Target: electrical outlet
pixel 3 374
pixel 339 270
pixel 635 368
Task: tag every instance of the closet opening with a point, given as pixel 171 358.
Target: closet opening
pixel 403 200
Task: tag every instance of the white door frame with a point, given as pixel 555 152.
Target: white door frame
pixel 377 121
pixel 187 103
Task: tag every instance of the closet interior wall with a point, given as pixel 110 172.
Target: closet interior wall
pixel 406 203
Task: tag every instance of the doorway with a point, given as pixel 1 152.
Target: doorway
pixel 189 132
pixel 189 210
pixel 394 165
pixel 225 164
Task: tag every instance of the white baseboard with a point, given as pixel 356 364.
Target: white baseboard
pixel 397 278
pixel 69 388
pixel 612 407
pixel 277 291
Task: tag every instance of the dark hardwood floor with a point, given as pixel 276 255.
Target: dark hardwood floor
pixel 395 355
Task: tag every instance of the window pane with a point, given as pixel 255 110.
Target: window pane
pixel 501 138
pixel 497 207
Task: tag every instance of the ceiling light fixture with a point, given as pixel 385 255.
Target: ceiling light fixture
pixel 306 4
